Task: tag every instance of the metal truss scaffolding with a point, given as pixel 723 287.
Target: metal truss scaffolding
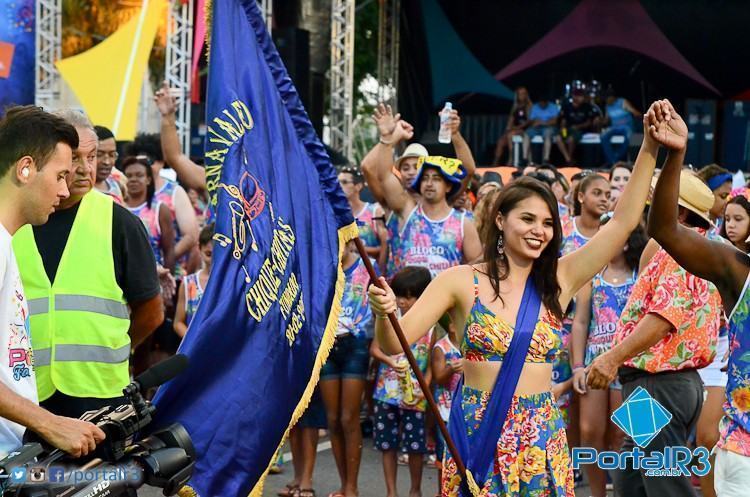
pixel 342 75
pixel 48 40
pixel 178 63
pixel 266 7
pixel 388 50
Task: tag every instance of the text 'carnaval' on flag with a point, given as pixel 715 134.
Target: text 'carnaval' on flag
pixel 267 319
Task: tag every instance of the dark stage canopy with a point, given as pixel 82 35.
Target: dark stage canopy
pixel 472 51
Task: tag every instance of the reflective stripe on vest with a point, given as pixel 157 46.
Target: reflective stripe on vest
pixel 84 353
pixel 79 323
pixel 80 303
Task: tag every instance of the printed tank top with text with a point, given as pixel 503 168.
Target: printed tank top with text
pixel 433 244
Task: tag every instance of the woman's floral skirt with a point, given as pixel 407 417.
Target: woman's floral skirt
pixel 532 458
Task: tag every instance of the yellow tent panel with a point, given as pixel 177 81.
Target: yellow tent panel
pixel 107 78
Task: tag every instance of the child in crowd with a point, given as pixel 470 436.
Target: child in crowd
pixel 598 308
pixel 447 368
pixel 193 285
pixel 399 401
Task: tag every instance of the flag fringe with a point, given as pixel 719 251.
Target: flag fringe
pixel 346 234
pixel 208 14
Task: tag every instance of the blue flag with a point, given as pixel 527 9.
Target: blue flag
pixel 267 319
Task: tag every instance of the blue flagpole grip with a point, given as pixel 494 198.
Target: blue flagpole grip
pixel 461 468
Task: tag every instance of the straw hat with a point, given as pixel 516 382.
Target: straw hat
pixel 695 195
pixel 413 150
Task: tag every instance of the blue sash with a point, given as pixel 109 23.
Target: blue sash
pixel 480 454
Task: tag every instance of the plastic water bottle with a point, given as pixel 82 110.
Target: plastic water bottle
pixel 444 136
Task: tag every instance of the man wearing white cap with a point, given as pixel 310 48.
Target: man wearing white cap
pixel 423 230
pixel 406 165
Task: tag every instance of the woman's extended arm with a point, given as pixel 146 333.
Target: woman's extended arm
pixel 578 267
pixel 437 299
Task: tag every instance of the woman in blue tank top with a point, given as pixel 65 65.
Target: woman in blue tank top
pixel 599 305
pixel 619 121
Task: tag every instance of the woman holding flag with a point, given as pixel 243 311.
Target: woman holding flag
pixel 504 420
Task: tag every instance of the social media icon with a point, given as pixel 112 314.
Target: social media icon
pixel 37 474
pixel 56 474
pixel 18 475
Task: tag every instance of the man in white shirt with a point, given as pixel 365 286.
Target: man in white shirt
pixel 35 160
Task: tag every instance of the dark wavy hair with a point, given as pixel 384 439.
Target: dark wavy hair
pixel 145 162
pixel 544 269
pixel 742 202
pixel 146 144
pixel 635 243
pixel 411 282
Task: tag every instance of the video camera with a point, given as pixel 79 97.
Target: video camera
pixel 122 463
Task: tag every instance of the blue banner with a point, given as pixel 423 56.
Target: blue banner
pixel 267 320
pixel 16 53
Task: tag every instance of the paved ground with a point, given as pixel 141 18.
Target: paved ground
pixel 371 482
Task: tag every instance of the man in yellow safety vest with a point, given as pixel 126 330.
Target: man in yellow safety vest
pixel 35 160
pixel 93 291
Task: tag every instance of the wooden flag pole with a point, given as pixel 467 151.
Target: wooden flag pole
pixel 413 363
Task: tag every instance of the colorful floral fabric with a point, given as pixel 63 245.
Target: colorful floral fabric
pixel 487 337
pixel 402 389
pixel 607 302
pixel 193 295
pixel 735 426
pixel 149 216
pixel 564 212
pixel 113 190
pixel 444 394
pixel 693 307
pixel 573 239
pixel 435 245
pixel 532 457
pixel 356 316
pixel 367 227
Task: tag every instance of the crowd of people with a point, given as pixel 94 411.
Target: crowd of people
pixel 565 123
pixel 615 312
pixel 533 308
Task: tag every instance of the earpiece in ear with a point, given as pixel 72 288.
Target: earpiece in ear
pixel 25 172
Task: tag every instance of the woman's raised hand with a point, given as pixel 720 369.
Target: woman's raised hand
pixel 665 126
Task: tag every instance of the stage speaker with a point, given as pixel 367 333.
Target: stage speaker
pixel 736 136
pixel 293 45
pixel 701 122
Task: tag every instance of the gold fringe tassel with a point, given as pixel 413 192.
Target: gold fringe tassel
pixel 187 491
pixel 208 13
pixel 473 487
pixel 346 234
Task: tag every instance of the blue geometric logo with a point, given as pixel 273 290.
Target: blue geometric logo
pixel 641 416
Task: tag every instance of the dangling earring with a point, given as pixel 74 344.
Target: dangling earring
pixel 500 245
